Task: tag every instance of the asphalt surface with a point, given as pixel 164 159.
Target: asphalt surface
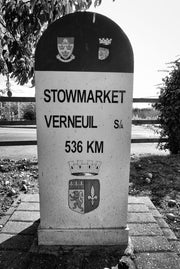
pixel 21 152
pixel 10 134
pixel 16 134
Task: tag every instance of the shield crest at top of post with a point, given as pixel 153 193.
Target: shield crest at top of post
pixel 65 46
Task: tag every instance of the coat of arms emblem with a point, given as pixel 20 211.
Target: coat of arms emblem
pixel 65 47
pixel 103 51
pixel 84 194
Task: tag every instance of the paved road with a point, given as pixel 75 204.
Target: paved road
pixel 10 134
pixel 19 152
pixel 139 131
pixel 17 134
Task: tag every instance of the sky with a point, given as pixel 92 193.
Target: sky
pixel 153 28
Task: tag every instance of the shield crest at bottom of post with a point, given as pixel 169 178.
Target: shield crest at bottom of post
pixel 83 195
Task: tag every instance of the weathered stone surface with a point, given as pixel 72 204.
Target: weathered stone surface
pixel 30 216
pixel 155 213
pixel 15 227
pixel 4 219
pixel 30 197
pixel 10 211
pixel 169 234
pixel 140 217
pixel 134 200
pixel 137 208
pixel 150 243
pixel 166 260
pixel 145 200
pixel 28 206
pixel 152 250
pixel 144 229
pixel 161 222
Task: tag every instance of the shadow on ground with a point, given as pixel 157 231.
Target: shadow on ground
pixel 21 251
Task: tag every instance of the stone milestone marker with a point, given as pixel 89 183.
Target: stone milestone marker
pixel 84 81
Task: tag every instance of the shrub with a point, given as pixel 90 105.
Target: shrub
pixel 144 113
pixel 169 110
pixel 29 112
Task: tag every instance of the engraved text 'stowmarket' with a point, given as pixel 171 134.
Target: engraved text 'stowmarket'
pixel 83 96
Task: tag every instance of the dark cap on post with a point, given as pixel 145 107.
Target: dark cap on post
pixel 84 41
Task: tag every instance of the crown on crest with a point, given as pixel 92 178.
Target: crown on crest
pixel 89 168
pixel 105 41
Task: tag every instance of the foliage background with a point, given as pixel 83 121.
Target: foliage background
pixel 169 109
pixel 22 23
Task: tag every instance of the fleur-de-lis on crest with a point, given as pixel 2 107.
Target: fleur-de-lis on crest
pixel 92 197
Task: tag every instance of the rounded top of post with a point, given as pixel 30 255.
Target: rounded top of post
pixel 84 41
